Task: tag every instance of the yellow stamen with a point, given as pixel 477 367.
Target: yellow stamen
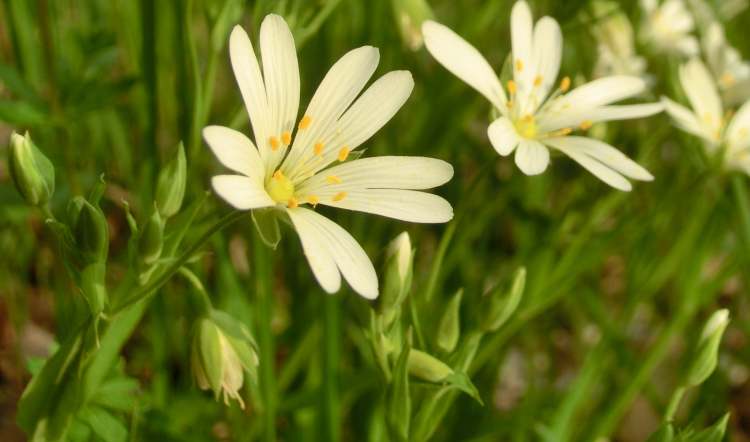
pixel 343 153
pixel 586 124
pixel 339 196
pixel 292 203
pixel 318 148
pixel 313 200
pixel 565 84
pixel 286 137
pixel 333 179
pixel 280 188
pixel 304 123
pixel 565 131
pixel 510 104
pixel 519 65
pixel 274 142
pixel 512 87
pixel 538 81
pixel 278 175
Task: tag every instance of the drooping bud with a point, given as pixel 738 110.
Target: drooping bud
pixel 499 306
pixel 152 238
pixel 32 172
pixel 706 351
pixel 449 328
pixel 90 230
pixel 170 186
pixel 398 276
pixel 409 15
pixel 223 350
pixel 428 367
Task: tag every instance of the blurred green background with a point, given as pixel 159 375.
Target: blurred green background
pixel 618 283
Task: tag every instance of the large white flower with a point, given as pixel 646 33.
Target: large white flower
pixel 707 119
pixel 290 164
pixel 730 70
pixel 534 117
pixel 668 25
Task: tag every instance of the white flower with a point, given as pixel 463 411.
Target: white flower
pixel 707 119
pixel 726 64
pixel 615 44
pixel 535 117
pixel 667 25
pixel 291 168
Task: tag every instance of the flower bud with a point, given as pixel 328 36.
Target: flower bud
pixel 449 328
pixel 152 238
pixel 223 350
pixel 499 306
pixel 409 16
pixel 90 230
pixel 170 186
pixel 706 351
pixel 398 275
pixel 32 172
pixel 427 367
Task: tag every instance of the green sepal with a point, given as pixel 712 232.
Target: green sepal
pixel 151 242
pixel 449 328
pixel 266 222
pixel 170 185
pixel 665 433
pixel 498 306
pixel 209 350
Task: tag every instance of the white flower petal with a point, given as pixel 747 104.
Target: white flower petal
pixel 547 55
pixel 701 91
pixel 235 151
pixel 341 85
pixel 598 169
pixel 325 242
pixel 553 121
pixel 386 172
pixel 241 192
pixel 738 131
pixel 685 119
pixel 463 61
pixel 604 153
pixel 532 157
pixel 522 43
pixel 281 74
pixel 247 72
pixel 503 136
pixel 602 91
pixel 405 205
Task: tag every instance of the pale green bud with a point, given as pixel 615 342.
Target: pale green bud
pixel 398 276
pixel 449 328
pixel 427 367
pixel 707 348
pixel 409 16
pixel 90 230
pixel 152 238
pixel 170 186
pixel 32 172
pixel 498 306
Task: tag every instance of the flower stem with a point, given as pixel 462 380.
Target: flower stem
pixel 674 402
pixel 267 376
pixel 740 195
pixel 331 334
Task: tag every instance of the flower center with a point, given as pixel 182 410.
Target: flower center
pixel 526 126
pixel 280 188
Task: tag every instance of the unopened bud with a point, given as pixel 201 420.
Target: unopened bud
pixel 170 186
pixel 398 276
pixel 500 306
pixel 90 230
pixel 449 328
pixel 152 238
pixel 409 16
pixel 427 367
pixel 32 172
pixel 707 348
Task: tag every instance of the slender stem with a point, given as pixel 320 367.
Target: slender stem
pixel 267 376
pixel 674 403
pixel 179 262
pixel 331 401
pixel 437 263
pixel 740 195
pixel 195 77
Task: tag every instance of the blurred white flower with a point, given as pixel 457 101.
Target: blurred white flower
pixel 730 70
pixel 288 172
pixel 535 117
pixel 615 43
pixel 707 119
pixel 667 25
pixel 726 10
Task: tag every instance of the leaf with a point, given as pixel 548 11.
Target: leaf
pixel 105 425
pixel 21 113
pixel 462 382
pixel 117 393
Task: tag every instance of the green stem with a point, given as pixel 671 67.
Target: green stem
pixel 195 77
pixel 331 401
pixel 740 195
pixel 267 376
pixel 674 403
pixel 179 262
pixel 437 263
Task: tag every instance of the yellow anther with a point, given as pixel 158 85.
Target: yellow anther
pixel 313 200
pixel 538 80
pixel 333 179
pixel 528 118
pixel 512 87
pixel 304 123
pixel 565 131
pixel 274 142
pixel 343 153
pixel 339 196
pixel 586 125
pixel 278 175
pixel 565 84
pixel 292 203
pixel 286 137
pixel 519 65
pixel 526 126
pixel 318 148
